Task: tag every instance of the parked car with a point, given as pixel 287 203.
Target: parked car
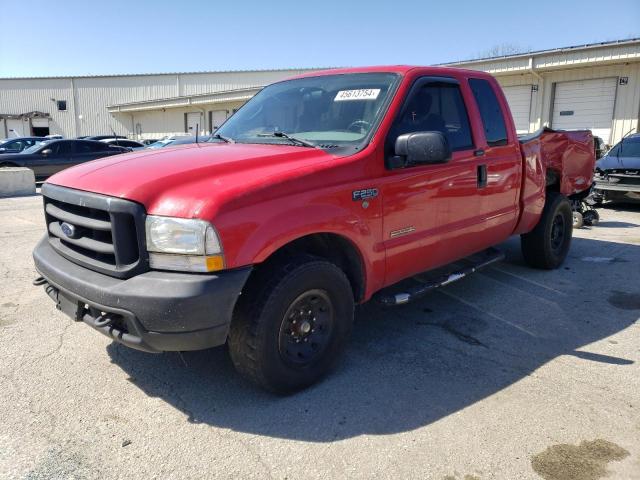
pixel 119 142
pixel 617 177
pixel 102 137
pixel 149 141
pixel 16 145
pixel 265 237
pixel 600 147
pixel 166 141
pixel 51 156
pixel 190 139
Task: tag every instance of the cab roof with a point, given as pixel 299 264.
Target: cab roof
pixel 399 69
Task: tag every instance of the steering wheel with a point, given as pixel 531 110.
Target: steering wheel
pixel 358 125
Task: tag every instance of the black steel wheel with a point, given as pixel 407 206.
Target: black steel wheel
pixel 306 328
pixel 289 331
pixel 558 232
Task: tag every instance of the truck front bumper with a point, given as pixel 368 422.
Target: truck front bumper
pixel 154 311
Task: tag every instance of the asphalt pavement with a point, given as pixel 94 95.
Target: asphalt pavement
pixel 511 373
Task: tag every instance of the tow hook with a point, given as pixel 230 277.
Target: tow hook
pixel 39 281
pixel 103 320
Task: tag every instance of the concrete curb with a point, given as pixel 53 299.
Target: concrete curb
pixel 17 181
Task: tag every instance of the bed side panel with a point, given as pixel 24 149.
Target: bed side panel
pixel 533 185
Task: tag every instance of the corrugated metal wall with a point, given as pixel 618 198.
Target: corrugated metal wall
pixel 627 101
pixel 88 97
pixel 20 96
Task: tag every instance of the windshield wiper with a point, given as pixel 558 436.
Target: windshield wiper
pixel 223 138
pixel 291 138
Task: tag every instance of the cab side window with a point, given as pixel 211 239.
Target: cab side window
pixel 61 148
pixel 495 130
pixel 435 106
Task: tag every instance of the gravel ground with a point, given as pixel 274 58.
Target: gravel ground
pixel 509 374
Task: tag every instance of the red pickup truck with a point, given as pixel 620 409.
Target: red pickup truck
pixel 322 192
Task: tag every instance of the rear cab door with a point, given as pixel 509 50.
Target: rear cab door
pixel 500 162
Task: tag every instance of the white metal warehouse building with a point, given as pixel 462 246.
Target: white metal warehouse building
pixel 594 86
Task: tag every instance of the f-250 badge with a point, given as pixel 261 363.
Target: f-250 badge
pixel 364 194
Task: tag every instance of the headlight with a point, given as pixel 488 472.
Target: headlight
pixel 183 244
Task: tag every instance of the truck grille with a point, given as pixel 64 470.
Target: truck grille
pixel 105 234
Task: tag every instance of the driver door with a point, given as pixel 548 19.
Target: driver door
pixel 431 212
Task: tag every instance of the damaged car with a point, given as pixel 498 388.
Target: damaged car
pixel 617 176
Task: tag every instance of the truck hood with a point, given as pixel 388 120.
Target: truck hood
pixel 612 162
pixel 188 181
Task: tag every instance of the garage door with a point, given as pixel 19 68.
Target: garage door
pixel 519 100
pixel 217 118
pixel 585 104
pixel 194 123
pixel 40 127
pixel 15 128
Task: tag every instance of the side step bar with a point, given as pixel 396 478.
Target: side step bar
pixel 409 290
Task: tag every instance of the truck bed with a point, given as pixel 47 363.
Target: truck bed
pixel 566 157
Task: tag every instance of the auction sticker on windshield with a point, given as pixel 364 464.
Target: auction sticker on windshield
pixel 361 94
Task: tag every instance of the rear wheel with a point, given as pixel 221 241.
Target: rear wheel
pixel 547 245
pixel 289 332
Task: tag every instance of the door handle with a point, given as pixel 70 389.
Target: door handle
pixel 482 176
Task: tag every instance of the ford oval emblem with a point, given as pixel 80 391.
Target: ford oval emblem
pixel 68 229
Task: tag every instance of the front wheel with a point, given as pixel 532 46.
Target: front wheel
pixel 547 245
pixel 289 332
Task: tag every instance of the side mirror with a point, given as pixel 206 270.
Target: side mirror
pixel 46 151
pixel 421 148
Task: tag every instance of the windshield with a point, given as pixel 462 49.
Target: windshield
pixel 629 147
pixel 326 111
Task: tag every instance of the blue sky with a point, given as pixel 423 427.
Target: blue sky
pixel 58 37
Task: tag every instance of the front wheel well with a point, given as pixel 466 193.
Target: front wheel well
pixel 329 246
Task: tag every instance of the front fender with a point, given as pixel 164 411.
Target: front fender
pixel 271 227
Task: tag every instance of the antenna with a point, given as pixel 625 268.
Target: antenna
pixel 197 128
pixel 114 135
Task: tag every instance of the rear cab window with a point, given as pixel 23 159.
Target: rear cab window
pixel 495 129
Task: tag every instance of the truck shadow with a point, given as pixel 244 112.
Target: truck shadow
pixel 410 366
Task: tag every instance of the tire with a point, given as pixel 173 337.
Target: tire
pixel 591 218
pixel 289 332
pixel 578 220
pixel 547 245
